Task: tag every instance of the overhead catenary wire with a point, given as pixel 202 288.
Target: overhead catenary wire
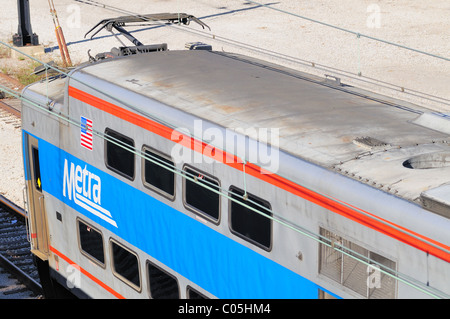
pixel 200 138
pixel 286 58
pixel 66 74
pixel 229 195
pixel 137 152
pixel 358 34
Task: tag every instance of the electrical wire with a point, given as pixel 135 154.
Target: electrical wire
pixel 291 59
pixel 119 10
pixel 225 193
pixel 350 31
pixel 229 195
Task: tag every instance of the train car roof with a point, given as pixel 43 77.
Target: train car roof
pixel 398 147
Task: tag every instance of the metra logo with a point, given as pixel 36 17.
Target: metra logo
pixel 85 189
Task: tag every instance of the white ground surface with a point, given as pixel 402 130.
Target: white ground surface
pixel 419 24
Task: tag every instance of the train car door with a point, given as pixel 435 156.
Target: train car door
pixel 37 215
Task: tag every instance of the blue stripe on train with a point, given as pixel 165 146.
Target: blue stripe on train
pixel 211 260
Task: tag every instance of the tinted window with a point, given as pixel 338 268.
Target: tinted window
pixel 194 294
pixel 36 169
pixel 201 199
pixel 91 242
pixel 159 177
pixel 162 285
pixel 118 157
pixel 125 264
pixel 249 224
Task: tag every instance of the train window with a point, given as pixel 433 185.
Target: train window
pixel 125 265
pixel 247 223
pixel 200 199
pixel 91 242
pixel 194 294
pixel 36 169
pixel 385 287
pixel 118 158
pixel 367 281
pixel 157 177
pixel 162 284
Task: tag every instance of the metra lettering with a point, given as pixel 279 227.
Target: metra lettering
pixel 81 181
pixel 84 187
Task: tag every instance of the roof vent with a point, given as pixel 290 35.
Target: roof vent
pixel 435 121
pixel 427 161
pixel 437 200
pixel 370 142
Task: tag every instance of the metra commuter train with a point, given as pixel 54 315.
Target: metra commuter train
pixel 205 174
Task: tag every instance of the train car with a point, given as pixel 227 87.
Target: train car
pixel 207 174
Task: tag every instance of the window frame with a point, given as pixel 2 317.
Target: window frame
pixel 131 178
pixel 112 242
pixel 190 289
pixel 151 186
pixel 85 253
pixel 165 272
pixel 329 233
pixel 196 210
pixel 240 235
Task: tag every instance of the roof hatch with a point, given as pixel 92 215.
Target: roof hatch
pixel 437 200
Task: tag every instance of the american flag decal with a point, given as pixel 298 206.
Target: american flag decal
pixel 86 133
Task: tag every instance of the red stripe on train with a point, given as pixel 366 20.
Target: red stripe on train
pixel 346 210
pixel 87 274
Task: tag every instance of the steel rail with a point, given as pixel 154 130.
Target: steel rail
pixel 12 207
pixel 9 109
pixel 317 237
pixel 18 212
pixel 397 276
pixel 21 275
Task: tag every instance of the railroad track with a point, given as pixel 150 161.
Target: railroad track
pixel 12 288
pixel 10 112
pixel 15 254
pixel 11 105
pixel 17 270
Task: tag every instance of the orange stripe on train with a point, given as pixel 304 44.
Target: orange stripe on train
pixel 343 209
